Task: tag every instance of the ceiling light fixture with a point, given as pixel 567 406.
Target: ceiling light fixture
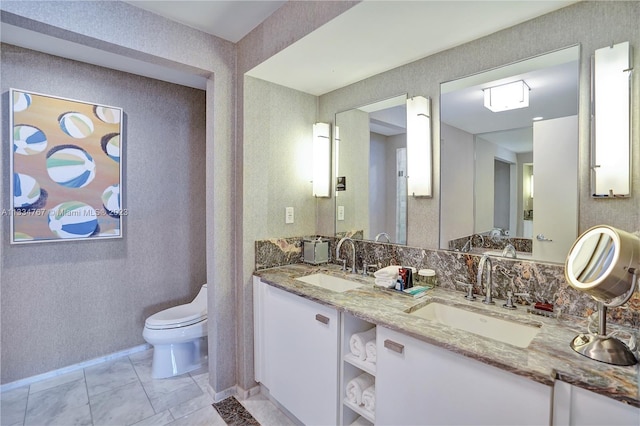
pixel 507 96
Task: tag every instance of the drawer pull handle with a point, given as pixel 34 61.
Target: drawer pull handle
pixel 322 319
pixel 394 346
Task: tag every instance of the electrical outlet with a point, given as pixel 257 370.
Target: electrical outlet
pixel 288 216
pixel 340 212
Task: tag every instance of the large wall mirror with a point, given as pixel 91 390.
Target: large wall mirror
pixel 509 167
pixel 370 171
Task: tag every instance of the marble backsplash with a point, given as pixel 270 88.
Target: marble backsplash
pixel 487 242
pixel 544 282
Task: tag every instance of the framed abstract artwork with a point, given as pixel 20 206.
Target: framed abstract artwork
pixel 65 169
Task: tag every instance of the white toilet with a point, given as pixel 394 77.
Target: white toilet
pixel 178 336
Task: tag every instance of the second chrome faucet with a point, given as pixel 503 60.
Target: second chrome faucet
pixel 486 260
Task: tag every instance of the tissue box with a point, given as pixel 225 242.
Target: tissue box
pixel 316 251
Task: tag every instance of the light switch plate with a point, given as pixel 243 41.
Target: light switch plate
pixel 340 212
pixel 288 216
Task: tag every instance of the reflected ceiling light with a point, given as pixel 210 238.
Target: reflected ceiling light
pixel 604 263
pixel 537 118
pixel 321 159
pixel 507 96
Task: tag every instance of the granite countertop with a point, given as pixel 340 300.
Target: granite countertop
pixel 546 359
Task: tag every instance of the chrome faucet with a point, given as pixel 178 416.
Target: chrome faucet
pixel 468 246
pixel 381 236
pixel 509 251
pixel 488 300
pixel 353 252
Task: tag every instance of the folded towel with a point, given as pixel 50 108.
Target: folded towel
pixel 387 272
pixel 369 398
pixel 358 341
pixel 356 386
pixel 361 421
pixel 385 282
pixel 391 271
pixel 370 349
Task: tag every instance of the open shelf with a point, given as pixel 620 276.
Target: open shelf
pixel 360 410
pixel 369 367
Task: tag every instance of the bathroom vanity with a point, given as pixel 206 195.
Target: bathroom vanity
pixel 426 372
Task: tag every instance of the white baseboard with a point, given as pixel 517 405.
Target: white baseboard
pixel 247 393
pixel 219 396
pixel 64 370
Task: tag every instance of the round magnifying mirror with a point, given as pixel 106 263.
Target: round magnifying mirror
pixel 599 262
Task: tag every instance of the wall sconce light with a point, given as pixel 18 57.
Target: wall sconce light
pixel 611 124
pixel 321 159
pixel 507 96
pixel 604 263
pixel 419 152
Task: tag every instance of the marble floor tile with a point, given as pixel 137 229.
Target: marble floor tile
pixel 68 401
pixel 191 405
pixel 159 419
pixel 55 381
pixel 109 375
pixel 206 416
pixel 70 416
pixel 122 392
pixel 202 380
pixel 125 405
pixel 13 406
pixel 163 397
pixel 265 412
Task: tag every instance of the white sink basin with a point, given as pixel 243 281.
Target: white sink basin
pixel 505 331
pixel 329 282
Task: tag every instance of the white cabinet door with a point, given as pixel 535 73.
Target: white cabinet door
pixel 421 384
pixel 300 350
pixel 575 406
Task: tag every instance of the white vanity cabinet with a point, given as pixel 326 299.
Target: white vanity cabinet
pixel 296 353
pixel 576 406
pixel 421 384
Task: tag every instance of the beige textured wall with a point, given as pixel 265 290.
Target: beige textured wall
pixel 68 302
pixel 285 26
pixel 591 24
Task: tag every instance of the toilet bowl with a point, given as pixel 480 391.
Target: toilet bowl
pixel 179 337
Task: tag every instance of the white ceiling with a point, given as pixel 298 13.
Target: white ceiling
pixel 372 37
pixel 376 36
pixel 229 20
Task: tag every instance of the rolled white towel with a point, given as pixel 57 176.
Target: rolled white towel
pixel 385 282
pixel 370 349
pixel 369 398
pixel 356 386
pixel 358 341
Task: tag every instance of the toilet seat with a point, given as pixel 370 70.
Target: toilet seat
pixel 176 317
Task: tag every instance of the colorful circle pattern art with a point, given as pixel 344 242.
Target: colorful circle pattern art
pixel 66 172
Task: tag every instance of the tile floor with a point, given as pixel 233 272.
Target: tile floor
pixel 122 392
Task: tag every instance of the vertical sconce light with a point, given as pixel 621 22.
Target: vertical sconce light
pixel 611 124
pixel 419 153
pixel 321 159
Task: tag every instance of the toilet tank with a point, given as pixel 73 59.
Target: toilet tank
pixel 201 298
